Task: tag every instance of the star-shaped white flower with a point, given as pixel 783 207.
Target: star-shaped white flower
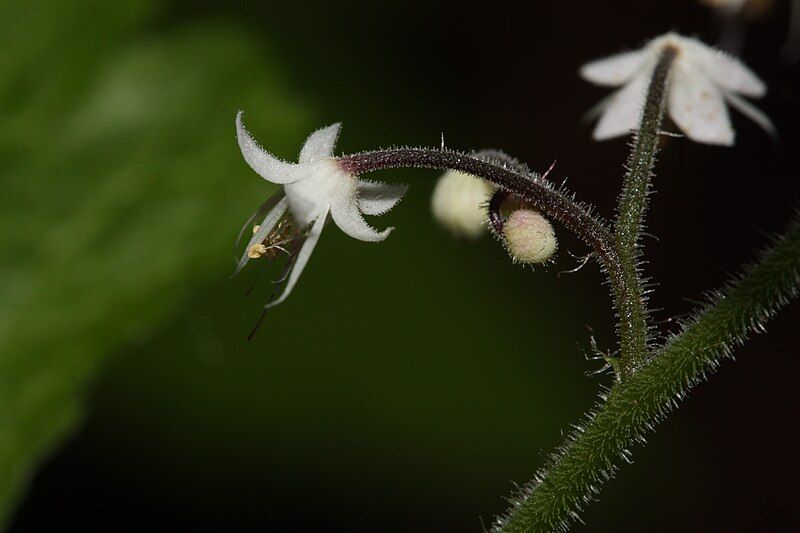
pixel 313 188
pixel 701 82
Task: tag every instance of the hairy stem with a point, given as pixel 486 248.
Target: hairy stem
pixel 574 474
pixel 530 186
pixel 634 329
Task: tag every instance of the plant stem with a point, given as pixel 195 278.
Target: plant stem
pixel 574 474
pixel 634 330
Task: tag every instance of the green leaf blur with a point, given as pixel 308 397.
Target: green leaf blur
pixel 118 193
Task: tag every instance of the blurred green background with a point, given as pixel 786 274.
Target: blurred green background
pixel 403 386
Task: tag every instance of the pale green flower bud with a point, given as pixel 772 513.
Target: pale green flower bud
pixel 529 237
pixel 459 203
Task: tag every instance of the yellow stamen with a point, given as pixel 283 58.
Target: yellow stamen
pixel 256 251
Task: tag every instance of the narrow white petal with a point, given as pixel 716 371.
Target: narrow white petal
pixel 622 113
pixel 320 144
pixel 376 198
pixel 264 228
pixel 614 70
pixel 345 213
pixel 265 164
pixel 302 257
pixel 753 113
pixel 697 106
pixel 727 71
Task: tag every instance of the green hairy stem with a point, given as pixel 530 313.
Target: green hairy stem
pixel 574 474
pixel 634 332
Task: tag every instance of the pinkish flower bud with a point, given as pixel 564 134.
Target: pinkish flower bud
pixel 529 237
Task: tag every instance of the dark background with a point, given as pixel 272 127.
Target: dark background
pixel 408 386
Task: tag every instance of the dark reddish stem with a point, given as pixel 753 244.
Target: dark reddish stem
pixel 530 187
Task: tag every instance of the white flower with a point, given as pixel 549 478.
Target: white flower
pixel 459 203
pixel 313 188
pixel 701 82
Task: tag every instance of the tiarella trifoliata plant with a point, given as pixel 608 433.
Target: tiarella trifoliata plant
pixel 489 189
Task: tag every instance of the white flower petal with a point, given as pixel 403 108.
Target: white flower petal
pixel 753 113
pixel 320 144
pixel 345 213
pixel 725 70
pixel 265 164
pixel 302 258
pixel 270 220
pixel 614 70
pixel 698 108
pixel 377 198
pixel 623 111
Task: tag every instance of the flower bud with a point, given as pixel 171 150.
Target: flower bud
pixel 459 203
pixel 529 236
